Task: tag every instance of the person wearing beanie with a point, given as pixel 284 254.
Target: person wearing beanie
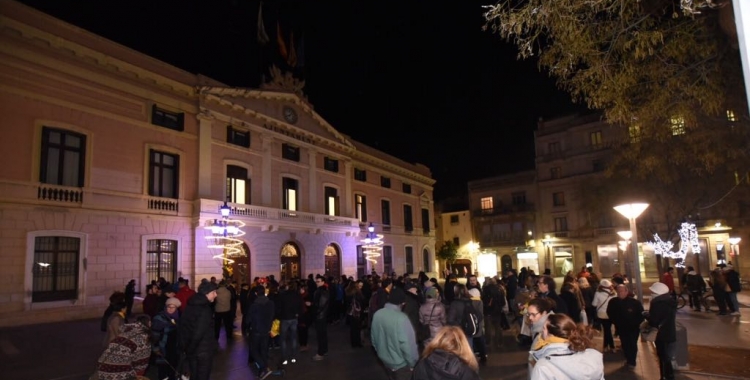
pixel 164 337
pixel 196 331
pixel 478 343
pixel 393 337
pixel 432 312
pixel 603 295
pixel 661 315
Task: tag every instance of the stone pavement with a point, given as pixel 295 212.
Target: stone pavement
pixel 69 350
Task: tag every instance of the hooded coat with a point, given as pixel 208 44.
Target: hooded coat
pixel 442 365
pixel 558 361
pixel 196 329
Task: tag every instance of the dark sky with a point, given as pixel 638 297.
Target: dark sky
pixel 416 79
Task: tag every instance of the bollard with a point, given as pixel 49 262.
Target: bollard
pixel 679 349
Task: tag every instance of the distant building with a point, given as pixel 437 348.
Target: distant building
pixel 117 164
pixel 536 219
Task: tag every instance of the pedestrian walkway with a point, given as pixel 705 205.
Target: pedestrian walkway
pixel 69 350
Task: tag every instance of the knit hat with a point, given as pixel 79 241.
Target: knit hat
pixel 475 293
pixel 431 293
pixel 173 301
pixel 659 288
pixel 605 283
pixel 397 296
pixel 206 287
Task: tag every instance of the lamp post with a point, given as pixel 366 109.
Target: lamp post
pixel 547 243
pixel 734 246
pixel 626 236
pixel 632 211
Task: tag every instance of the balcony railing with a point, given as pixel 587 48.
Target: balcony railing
pixel 506 210
pixel 60 194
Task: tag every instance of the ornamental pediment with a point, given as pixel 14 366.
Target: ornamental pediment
pixel 280 112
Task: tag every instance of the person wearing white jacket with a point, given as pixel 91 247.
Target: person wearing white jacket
pixel 564 352
pixel 601 300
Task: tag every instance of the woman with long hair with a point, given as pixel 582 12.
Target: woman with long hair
pixel 447 356
pixel 356 301
pixel 600 302
pixel 564 351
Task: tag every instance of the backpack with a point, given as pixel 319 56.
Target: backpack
pixel 470 320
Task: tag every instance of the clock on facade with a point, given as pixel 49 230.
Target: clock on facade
pixel 290 115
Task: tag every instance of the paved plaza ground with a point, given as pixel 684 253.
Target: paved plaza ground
pixel 69 350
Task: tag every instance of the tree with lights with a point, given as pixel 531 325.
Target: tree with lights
pixel 667 74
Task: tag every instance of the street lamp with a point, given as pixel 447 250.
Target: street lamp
pixel 734 246
pixel 632 211
pixel 547 243
pixel 624 264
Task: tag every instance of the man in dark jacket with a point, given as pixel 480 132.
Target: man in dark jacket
pixel 449 295
pixel 260 317
pixel 627 314
pixel 196 331
pixel 696 286
pixel 733 280
pixel 661 315
pixel 321 302
pixel 289 309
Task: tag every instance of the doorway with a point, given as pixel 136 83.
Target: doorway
pixel 290 262
pixel 333 261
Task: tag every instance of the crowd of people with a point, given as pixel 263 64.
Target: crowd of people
pixel 418 328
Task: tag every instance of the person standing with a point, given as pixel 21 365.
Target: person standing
pixel 196 332
pixel 321 302
pixel 661 315
pixel 129 297
pixel 626 313
pixel 260 318
pixel 565 352
pixel 447 356
pixel 356 301
pixel 127 356
pixel 601 300
pixel 668 279
pixel 393 337
pixel 734 287
pixel 696 286
pixel 164 339
pixel 223 311
pixel 289 308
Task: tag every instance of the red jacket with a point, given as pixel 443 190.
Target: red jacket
pixel 184 295
pixel 668 281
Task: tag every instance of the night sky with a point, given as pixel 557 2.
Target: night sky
pixel 416 79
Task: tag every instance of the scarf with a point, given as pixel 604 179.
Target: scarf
pixel 541 342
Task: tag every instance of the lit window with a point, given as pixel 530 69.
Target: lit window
pixel 291 187
pixel 731 116
pixel 360 207
pixel 238 185
pixel 678 126
pixel 486 203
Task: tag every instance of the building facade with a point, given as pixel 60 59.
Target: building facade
pixel 121 164
pixel 562 234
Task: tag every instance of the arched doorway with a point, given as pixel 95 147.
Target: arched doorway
pixel 241 266
pixel 290 262
pixel 333 261
pixel 506 264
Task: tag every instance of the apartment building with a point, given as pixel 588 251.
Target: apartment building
pixel 561 234
pixel 118 165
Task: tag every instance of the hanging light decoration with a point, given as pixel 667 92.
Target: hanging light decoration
pixel 225 234
pixel 372 245
pixel 688 240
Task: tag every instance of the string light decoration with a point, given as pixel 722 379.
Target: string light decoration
pixel 688 239
pixel 372 245
pixel 225 234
